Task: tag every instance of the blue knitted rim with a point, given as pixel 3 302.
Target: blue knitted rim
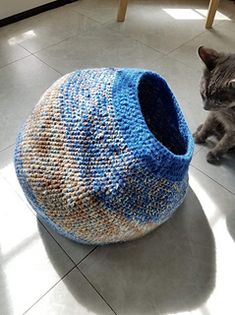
pixel 139 137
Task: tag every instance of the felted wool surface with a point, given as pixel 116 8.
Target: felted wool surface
pixel 104 155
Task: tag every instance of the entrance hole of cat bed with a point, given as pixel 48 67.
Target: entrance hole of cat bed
pixel 160 115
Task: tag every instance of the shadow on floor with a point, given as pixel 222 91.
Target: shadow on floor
pixel 229 162
pixel 5 305
pixel 226 163
pixel 230 220
pixel 170 270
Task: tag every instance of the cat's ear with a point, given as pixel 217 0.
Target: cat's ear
pixel 232 83
pixel 208 56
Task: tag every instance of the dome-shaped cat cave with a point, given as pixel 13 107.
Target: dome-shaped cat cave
pixel 104 155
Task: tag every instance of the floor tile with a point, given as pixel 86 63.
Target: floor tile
pixel 73 296
pixel 7 170
pixel 221 38
pixel 10 52
pixel 227 8
pixel 47 28
pixel 158 274
pixel 153 26
pixel 218 205
pixel 184 267
pixel 217 202
pixel 6 156
pixel 27 271
pixel 223 173
pixel 76 251
pixel 22 84
pixel 97 48
pixel 185 85
pixel 102 11
pixel 106 10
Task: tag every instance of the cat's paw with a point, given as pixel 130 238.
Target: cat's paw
pixel 212 158
pixel 198 138
pixel 199 127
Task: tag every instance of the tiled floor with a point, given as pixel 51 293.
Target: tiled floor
pixel 184 267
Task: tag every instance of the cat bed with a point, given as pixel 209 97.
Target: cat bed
pixel 104 155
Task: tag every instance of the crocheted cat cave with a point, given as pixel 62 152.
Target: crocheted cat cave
pixel 104 155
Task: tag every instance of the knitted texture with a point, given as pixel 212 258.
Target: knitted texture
pixel 104 155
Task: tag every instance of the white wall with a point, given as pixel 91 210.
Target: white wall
pixel 11 7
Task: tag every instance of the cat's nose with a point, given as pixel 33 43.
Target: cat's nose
pixel 206 106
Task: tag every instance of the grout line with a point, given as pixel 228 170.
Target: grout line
pixel 161 54
pixel 42 223
pixel 8 147
pixel 187 41
pixel 67 254
pixel 88 17
pixel 48 46
pixel 64 250
pixel 206 31
pixel 45 293
pixel 87 255
pixel 48 231
pixel 103 26
pixel 52 68
pixel 212 179
pixel 60 280
pixel 197 152
pixel 17 60
pixel 69 257
pixel 176 60
pixel 93 18
pixel 17 193
pixel 129 36
pixel 69 36
pixel 164 54
pixel 96 290
pixel 45 226
pixel 25 48
pixel 59 42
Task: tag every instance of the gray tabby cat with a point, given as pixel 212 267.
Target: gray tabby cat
pixel 218 95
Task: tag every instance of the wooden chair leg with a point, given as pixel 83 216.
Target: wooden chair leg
pixel 122 10
pixel 213 6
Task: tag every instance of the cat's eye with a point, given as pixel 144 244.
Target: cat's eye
pixel 221 98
